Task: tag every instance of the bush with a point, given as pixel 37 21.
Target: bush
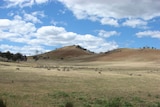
pixel 69 104
pixel 158 104
pixel 2 103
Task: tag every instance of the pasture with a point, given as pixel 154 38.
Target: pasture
pixel 80 84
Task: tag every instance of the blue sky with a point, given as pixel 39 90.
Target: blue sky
pixel 97 25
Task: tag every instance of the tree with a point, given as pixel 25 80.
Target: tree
pixel 8 55
pixel 24 58
pixel 17 56
pixel 13 57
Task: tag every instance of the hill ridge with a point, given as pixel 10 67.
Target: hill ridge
pixel 67 52
pixel 76 52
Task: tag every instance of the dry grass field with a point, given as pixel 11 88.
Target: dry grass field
pixel 80 84
pixel 74 77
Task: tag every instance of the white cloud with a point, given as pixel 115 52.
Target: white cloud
pixel 107 34
pixel 20 25
pixel 4 23
pixel 18 30
pixel 34 16
pixel 109 21
pixel 5 47
pixel 26 50
pixel 135 23
pixel 56 36
pixel 153 34
pixel 23 3
pixel 20 3
pixel 95 44
pixel 29 17
pixel 41 1
pixel 55 23
pixel 38 14
pixel 109 11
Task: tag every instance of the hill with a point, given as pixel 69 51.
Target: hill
pixel 67 52
pixel 76 52
pixel 126 54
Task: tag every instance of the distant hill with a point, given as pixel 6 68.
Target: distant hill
pixel 126 54
pixel 67 52
pixel 76 52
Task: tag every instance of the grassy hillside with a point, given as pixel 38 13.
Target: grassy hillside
pixel 125 54
pixel 67 52
pixel 76 52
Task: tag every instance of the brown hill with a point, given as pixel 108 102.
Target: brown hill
pixel 125 54
pixel 76 52
pixel 67 52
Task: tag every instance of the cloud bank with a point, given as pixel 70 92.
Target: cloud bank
pixel 110 11
pixel 23 3
pixel 152 34
pixel 23 31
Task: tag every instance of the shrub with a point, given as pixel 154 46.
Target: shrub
pixel 158 104
pixel 2 103
pixel 69 104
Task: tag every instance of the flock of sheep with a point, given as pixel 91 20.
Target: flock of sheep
pixel 69 68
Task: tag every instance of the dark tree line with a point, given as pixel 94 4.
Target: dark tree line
pixel 147 47
pixel 13 57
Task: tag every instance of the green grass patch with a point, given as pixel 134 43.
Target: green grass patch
pixel 59 94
